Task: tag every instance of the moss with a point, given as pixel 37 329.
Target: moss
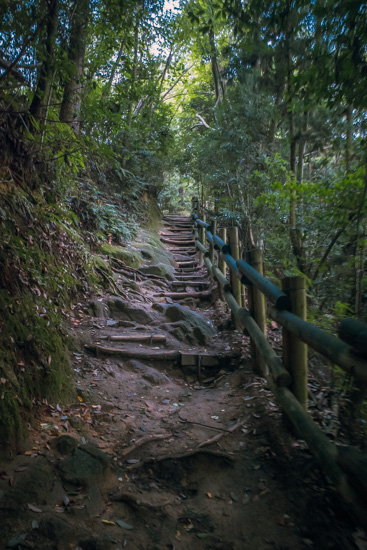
pixel 34 364
pixel 152 249
pixel 99 263
pixel 12 427
pixel 129 257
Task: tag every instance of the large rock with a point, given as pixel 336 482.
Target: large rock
pixel 122 309
pixel 33 486
pixel 152 249
pixel 162 270
pixel 202 329
pixel 148 373
pixel 81 469
pixel 129 257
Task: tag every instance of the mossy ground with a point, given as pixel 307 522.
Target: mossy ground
pixel 46 265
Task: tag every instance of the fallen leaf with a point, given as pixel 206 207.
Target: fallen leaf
pixel 124 525
pixel 108 522
pixel 34 508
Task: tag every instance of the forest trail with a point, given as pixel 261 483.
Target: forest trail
pixel 173 441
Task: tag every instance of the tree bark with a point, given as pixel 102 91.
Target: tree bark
pixel 218 83
pixel 40 99
pixel 71 103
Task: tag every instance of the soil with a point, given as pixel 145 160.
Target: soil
pixel 156 455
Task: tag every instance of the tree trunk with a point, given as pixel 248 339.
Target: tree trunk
pixel 40 99
pixel 71 103
pixel 129 116
pixel 108 86
pixel 348 142
pixel 218 83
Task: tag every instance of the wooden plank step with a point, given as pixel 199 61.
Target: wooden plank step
pixel 138 338
pixel 190 251
pixel 190 283
pixel 202 359
pixel 187 264
pixel 178 242
pixel 191 277
pixel 176 229
pixel 185 270
pixel 151 354
pixel 183 295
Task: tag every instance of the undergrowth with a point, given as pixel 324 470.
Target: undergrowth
pixel 46 264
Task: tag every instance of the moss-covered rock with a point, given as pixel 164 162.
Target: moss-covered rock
pixel 129 257
pixel 161 270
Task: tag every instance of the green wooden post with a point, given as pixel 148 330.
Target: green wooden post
pixel 202 239
pixel 259 306
pixel 222 232
pixel 213 229
pixel 235 253
pixel 294 350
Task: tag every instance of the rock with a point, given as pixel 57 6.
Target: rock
pixel 65 444
pixel 96 453
pixel 34 485
pixel 53 526
pixel 161 270
pixel 103 543
pixel 180 330
pixel 152 249
pixel 81 469
pixel 202 329
pixel 148 373
pixel 129 257
pixel 122 309
pixel 99 309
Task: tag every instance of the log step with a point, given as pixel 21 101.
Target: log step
pixel 191 264
pixel 181 357
pixel 183 295
pixel 151 338
pixel 150 354
pixel 190 283
pixel 177 242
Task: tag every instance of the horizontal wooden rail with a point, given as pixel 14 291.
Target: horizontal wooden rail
pixel 275 295
pixel 325 343
pixel 278 378
pixel 321 341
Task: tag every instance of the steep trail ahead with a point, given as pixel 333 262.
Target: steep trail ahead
pixel 173 443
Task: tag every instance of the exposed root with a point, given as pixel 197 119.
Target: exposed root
pixel 178 456
pixel 136 502
pixel 143 441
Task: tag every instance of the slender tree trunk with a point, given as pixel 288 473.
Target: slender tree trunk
pixel 348 142
pixel 129 116
pixel 107 88
pixel 41 96
pixel 218 83
pixel 71 103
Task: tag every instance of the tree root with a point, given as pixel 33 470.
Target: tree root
pixel 177 456
pixel 136 502
pixel 220 435
pixel 112 283
pixel 143 441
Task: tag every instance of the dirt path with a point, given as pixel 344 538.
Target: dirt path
pixel 173 442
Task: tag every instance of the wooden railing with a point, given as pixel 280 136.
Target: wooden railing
pixel 287 378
